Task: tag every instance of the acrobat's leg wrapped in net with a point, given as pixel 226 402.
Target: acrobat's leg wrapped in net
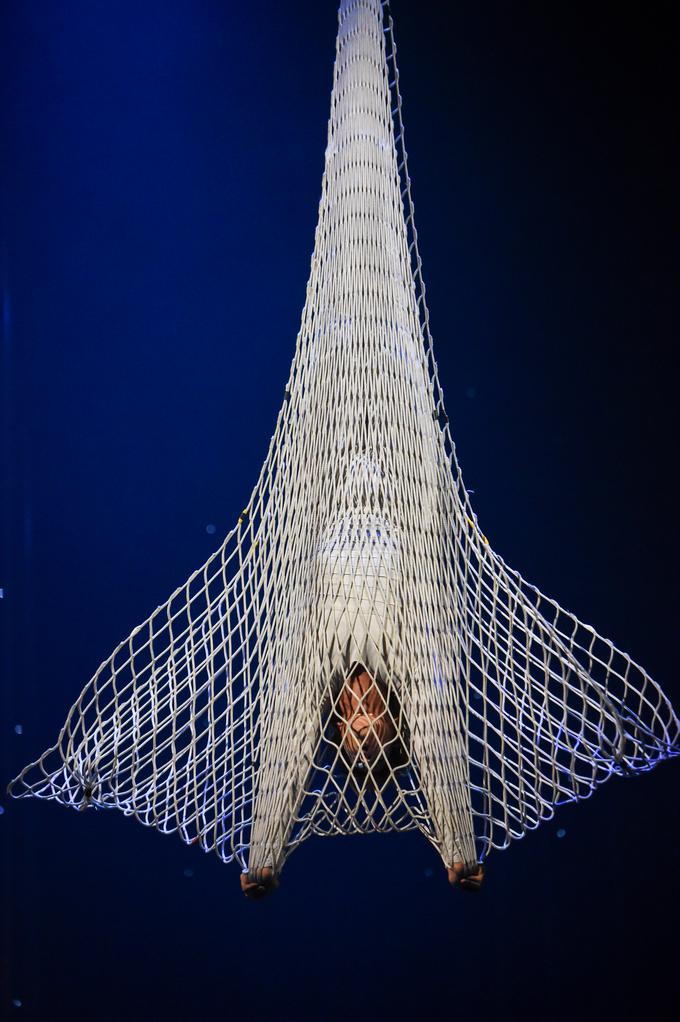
pixel 289 722
pixel 439 757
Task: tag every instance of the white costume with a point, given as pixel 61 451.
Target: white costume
pixel 359 582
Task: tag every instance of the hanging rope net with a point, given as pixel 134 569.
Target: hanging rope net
pixel 355 657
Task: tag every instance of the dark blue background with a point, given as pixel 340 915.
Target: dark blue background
pixel 161 170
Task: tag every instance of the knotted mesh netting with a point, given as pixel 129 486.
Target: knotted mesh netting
pixel 355 657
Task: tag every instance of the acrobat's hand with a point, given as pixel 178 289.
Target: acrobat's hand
pixel 467 880
pixel 256 889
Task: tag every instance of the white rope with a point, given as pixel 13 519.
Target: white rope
pixel 235 715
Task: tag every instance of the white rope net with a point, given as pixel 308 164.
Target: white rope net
pixel 355 657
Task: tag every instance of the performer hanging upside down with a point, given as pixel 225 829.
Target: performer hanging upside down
pixel 358 639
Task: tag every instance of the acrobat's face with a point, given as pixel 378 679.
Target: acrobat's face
pixel 365 724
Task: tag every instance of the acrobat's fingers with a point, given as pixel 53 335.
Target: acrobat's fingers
pixel 257 889
pixel 467 881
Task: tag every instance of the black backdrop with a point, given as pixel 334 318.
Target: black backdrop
pixel 160 176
